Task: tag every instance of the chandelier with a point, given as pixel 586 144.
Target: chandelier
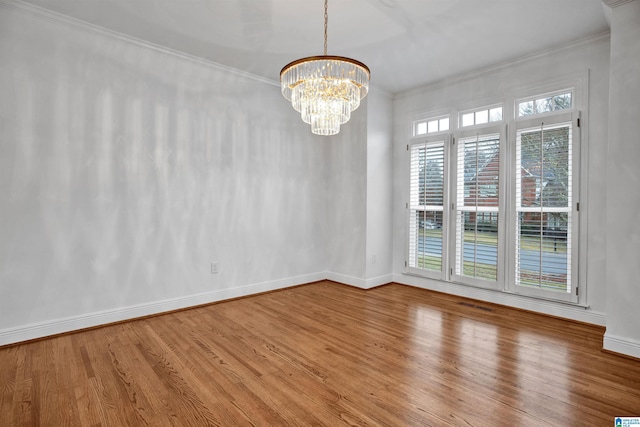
pixel 325 89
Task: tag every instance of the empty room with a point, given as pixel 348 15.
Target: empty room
pixel 319 212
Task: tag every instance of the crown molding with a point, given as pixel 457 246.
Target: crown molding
pixel 602 37
pixel 615 3
pixel 46 14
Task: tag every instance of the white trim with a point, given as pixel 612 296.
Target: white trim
pixel 357 282
pixel 96 319
pixel 551 308
pixel 621 345
pixel 602 37
pixel 374 282
pixel 615 3
pixel 40 12
pixel 69 324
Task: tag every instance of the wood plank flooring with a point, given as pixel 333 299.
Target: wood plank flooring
pixel 323 354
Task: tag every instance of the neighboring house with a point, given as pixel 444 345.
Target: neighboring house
pixel 481 189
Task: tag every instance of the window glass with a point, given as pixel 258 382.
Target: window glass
pixel 482 117
pixel 562 102
pixel 495 114
pixel 477 207
pixel 432 125
pixel 544 192
pixel 545 104
pixel 468 119
pixel 525 108
pixel 427 206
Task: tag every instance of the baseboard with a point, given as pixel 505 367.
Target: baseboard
pixel 73 323
pixel 378 281
pixel 359 282
pixel 551 308
pixel 621 345
pixel 69 324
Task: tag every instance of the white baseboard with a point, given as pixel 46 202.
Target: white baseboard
pixel 359 282
pixel 378 281
pixel 621 345
pixel 73 323
pixel 69 324
pixel 551 308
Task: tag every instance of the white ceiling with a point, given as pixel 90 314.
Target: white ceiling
pixel 405 43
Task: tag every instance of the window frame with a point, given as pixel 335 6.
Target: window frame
pixel 536 96
pixel 475 111
pixel 578 85
pixel 427 120
pixel 443 139
pixel 464 134
pixel 577 260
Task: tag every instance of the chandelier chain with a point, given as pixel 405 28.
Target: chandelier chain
pixel 326 19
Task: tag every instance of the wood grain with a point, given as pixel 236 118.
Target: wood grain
pixel 323 354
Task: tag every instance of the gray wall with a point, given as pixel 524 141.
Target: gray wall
pixel 126 170
pixel 623 183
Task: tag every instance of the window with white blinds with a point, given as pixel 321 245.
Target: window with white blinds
pixel 494 201
pixel 544 194
pixel 426 206
pixel 477 206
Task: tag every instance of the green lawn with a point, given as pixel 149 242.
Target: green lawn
pixel 488 271
pixel 482 271
pixel 526 242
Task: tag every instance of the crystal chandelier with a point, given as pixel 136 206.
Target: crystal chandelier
pixel 325 89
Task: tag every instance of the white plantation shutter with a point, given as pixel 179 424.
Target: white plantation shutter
pixel 426 205
pixel 477 207
pixel 494 203
pixel 544 200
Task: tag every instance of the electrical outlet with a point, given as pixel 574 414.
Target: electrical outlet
pixel 214 268
pixel 374 259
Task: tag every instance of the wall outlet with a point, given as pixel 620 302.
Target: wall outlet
pixel 214 268
pixel 374 259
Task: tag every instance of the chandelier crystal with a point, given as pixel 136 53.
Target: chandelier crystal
pixel 325 89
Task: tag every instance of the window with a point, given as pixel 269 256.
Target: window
pixel 498 210
pixel 433 125
pixel 477 207
pixel 547 103
pixel 426 206
pixel 481 116
pixel 545 219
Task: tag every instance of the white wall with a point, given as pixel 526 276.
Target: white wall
pixel 623 183
pixel 498 84
pixel 346 195
pixel 379 189
pixel 126 170
pixel 359 196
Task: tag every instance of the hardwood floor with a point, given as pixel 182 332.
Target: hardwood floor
pixel 323 354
